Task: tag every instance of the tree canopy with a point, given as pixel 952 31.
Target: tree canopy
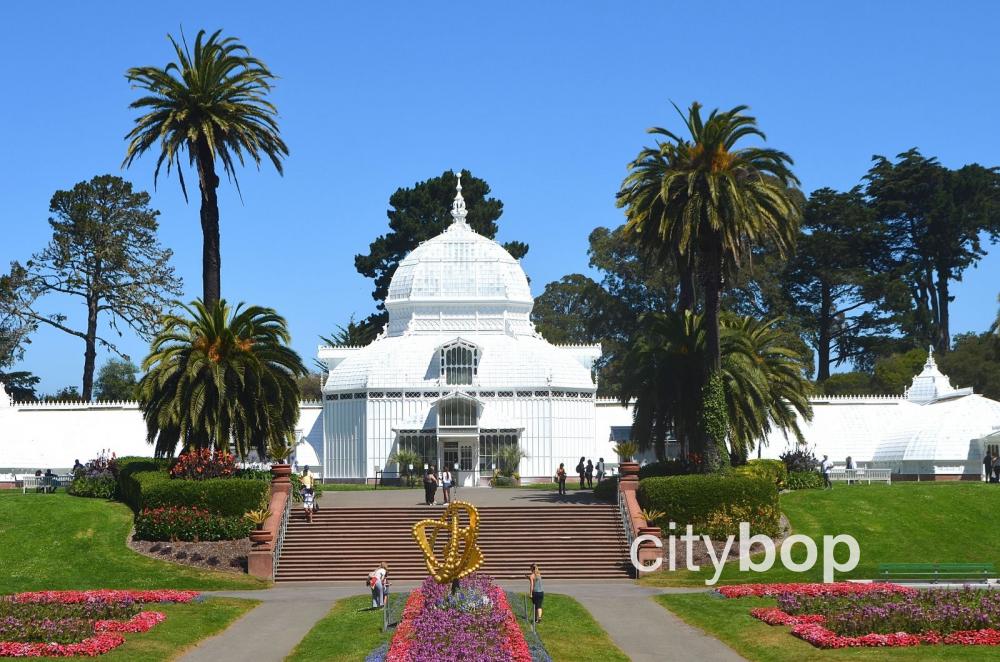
pixel 116 380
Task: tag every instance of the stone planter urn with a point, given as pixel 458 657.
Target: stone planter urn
pixel 628 468
pixel 260 537
pixel 281 474
pixel 628 476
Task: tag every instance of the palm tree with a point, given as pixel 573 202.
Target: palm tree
pixel 708 202
pixel 220 376
pixel 212 105
pixel 765 382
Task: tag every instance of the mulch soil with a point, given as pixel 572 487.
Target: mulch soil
pixel 225 555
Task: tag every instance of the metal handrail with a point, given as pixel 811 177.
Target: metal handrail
pixel 280 538
pixel 626 523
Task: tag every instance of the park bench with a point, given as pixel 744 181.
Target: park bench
pixel 864 475
pixel 936 572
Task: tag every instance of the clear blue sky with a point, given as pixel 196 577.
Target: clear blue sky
pixel 546 101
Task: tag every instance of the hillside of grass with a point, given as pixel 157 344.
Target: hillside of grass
pixel 904 522
pixel 57 541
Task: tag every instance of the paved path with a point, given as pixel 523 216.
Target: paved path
pixel 476 496
pixel 644 630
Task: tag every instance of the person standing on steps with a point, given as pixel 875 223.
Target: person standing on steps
pixel 309 483
pixel 581 469
pixel 446 484
pixel 590 475
pixel 600 470
pixel 561 478
pixel 537 590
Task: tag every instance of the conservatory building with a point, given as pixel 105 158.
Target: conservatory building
pixel 458 373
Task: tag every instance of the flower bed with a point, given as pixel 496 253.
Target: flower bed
pixel 835 588
pixel 475 625
pixel 76 623
pixel 884 616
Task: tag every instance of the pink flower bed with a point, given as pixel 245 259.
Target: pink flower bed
pixel 812 628
pixel 106 632
pixel 835 588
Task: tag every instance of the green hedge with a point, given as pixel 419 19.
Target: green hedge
pixel 607 489
pixel 220 496
pixel 714 504
pixel 804 480
pixel 99 487
pixel 774 470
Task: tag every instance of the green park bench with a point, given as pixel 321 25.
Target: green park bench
pixel 936 572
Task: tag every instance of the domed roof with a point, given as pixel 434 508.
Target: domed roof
pixel 459 280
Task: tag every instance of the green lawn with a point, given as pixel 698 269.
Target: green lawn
pixel 905 522
pixel 185 625
pixel 730 621
pixel 57 541
pixel 349 632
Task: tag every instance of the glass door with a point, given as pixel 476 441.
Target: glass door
pixel 468 474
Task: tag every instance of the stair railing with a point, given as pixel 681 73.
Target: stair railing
pixel 629 532
pixel 279 539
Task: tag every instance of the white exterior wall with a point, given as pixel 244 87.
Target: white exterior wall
pixel 53 435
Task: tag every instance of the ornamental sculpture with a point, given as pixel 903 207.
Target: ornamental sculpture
pixel 462 555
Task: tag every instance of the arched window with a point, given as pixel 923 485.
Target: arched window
pixel 459 363
pixel 458 412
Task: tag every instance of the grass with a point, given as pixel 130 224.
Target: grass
pixel 731 622
pixel 570 633
pixel 349 632
pixel 57 542
pixel 186 624
pixel 905 522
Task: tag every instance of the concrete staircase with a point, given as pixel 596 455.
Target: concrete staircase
pixel 567 541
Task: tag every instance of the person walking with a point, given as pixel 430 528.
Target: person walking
pixel 561 478
pixel 825 466
pixel 988 468
pixel 431 486
pixel 581 469
pixel 309 483
pixel 378 583
pixel 308 503
pixel 446 484
pixel 590 475
pixel 537 590
pixel 600 470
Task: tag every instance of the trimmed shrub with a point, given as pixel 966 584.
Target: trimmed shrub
pixel 127 467
pixel 804 480
pixel 677 467
pixel 189 525
pixel 220 496
pixel 204 464
pixel 101 486
pixel 714 505
pixel 773 470
pixel 607 489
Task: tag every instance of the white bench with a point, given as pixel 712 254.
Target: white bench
pixel 862 475
pixel 31 483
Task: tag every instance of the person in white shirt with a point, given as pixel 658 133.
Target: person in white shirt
pixel 379 585
pixel 600 470
pixel 446 484
pixel 825 466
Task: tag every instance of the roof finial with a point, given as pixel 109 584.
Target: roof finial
pixel 930 355
pixel 458 211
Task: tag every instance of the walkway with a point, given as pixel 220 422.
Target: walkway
pixel 644 630
pixel 477 496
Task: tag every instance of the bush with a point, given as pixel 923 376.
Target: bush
pixel 220 496
pixel 678 467
pixel 503 481
pixel 102 486
pixel 800 459
pixel 126 469
pixel 607 489
pixel 804 480
pixel 773 470
pixel 204 464
pixel 189 525
pixel 714 505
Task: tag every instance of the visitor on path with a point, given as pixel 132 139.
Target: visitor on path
pixel 561 478
pixel 446 484
pixel 600 470
pixel 825 466
pixel 582 470
pixel 996 467
pixel 988 467
pixel 590 475
pixel 379 584
pixel 537 590
pixel 308 503
pixel 77 466
pixel 430 487
pixel 309 483
pixel 850 468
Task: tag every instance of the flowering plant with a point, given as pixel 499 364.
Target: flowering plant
pixel 189 524
pixel 97 478
pixel 204 463
pixel 834 588
pixel 109 596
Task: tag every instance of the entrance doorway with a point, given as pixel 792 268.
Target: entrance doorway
pixel 460 457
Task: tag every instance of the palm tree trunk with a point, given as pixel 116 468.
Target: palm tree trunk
pixel 211 257
pixel 686 298
pixel 712 277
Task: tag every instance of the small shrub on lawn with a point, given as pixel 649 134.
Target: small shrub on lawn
pixel 774 470
pixel 800 460
pixel 713 504
pixel 189 525
pixel 607 489
pixel 204 464
pixel 804 480
pixel 96 478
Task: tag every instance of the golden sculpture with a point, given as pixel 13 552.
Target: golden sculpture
pixel 461 553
